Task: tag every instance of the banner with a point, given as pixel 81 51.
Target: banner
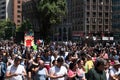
pixel 29 39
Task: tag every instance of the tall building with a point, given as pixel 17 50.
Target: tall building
pixel 91 16
pixel 5 9
pixel 11 9
pixel 116 15
pixel 98 16
pixel 17 12
pixel 77 18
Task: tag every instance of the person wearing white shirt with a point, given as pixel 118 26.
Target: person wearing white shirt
pixel 115 71
pixel 16 71
pixel 58 72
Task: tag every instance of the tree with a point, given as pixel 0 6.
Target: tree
pixel 7 29
pixel 25 26
pixel 50 12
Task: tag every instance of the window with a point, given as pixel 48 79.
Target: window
pixel 3 3
pixel 3 12
pixel 106 14
pixel 100 28
pixel 100 8
pixel 88 7
pixel 106 21
pixel 88 20
pixel 18 16
pixel 100 1
pixel 94 7
pixel 100 20
pixel 87 27
pixel 3 8
pixel 106 28
pixel 88 1
pixel 18 11
pixel 18 21
pixel 106 8
pixel 94 14
pixel 18 6
pixel 94 20
pixel 93 27
pixel 18 1
pixel 106 1
pixel 88 14
pixel 100 14
pixel 94 1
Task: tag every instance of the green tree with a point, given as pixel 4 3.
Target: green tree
pixel 25 26
pixel 50 12
pixel 7 29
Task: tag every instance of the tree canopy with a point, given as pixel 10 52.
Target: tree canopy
pixel 7 29
pixel 25 26
pixel 50 12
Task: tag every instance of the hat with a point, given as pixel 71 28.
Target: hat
pixel 116 62
pixel 18 58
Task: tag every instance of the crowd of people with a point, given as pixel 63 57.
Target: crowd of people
pixel 59 61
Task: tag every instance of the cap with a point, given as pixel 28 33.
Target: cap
pixel 116 62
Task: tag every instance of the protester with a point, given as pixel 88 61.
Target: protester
pixel 58 58
pixel 107 69
pixel 16 71
pixel 97 73
pixel 2 68
pixel 41 71
pixel 58 72
pixel 115 71
pixel 81 69
pixel 74 72
pixel 89 63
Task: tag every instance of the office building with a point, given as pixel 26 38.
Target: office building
pixel 98 16
pixel 12 10
pixel 5 9
pixel 17 12
pixel 116 15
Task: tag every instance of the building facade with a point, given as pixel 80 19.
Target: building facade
pixel 98 16
pixel 116 15
pixel 63 31
pixel 5 9
pixel 91 16
pixel 17 12
pixel 77 18
pixel 11 9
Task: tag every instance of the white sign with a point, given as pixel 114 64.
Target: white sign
pixel 111 38
pixel 105 38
